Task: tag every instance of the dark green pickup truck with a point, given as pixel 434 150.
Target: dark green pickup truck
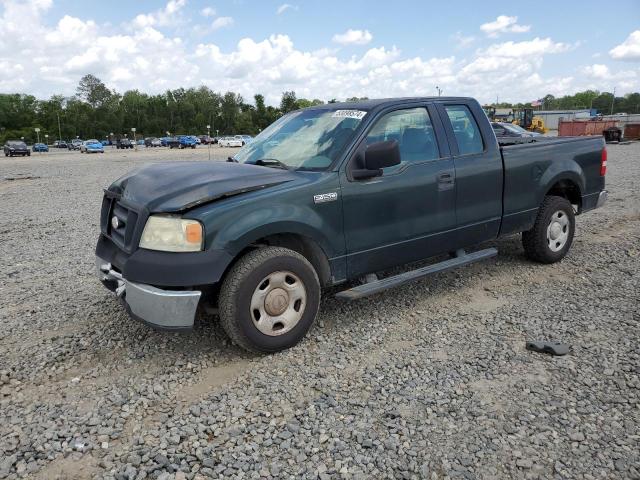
pixel 333 195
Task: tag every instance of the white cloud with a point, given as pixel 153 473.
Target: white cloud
pixel 463 41
pixel 160 18
pixel 208 12
pixel 629 49
pixel 597 71
pixel 353 37
pixel 503 24
pixel 47 59
pixel 600 71
pixel 528 48
pixel 222 22
pixel 284 7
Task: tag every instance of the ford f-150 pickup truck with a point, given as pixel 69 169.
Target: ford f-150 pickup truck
pixel 333 195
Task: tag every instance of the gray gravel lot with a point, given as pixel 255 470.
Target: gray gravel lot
pixel 427 381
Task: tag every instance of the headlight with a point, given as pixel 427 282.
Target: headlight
pixel 172 234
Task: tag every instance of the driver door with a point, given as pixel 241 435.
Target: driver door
pixel 408 213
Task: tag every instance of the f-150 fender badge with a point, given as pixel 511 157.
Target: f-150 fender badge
pixel 325 197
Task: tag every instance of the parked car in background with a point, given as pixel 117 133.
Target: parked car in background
pixel 182 141
pixel 104 142
pixel 40 147
pixel 205 139
pixel 140 142
pixel 124 143
pixel 187 141
pixel 230 142
pixel 59 144
pixel 74 144
pixel 244 138
pixel 510 134
pixel 91 146
pixel 166 140
pixel 152 142
pixel 16 147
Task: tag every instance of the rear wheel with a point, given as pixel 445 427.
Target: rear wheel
pixel 269 299
pixel 552 234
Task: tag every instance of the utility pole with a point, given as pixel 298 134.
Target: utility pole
pixel 59 131
pixel 613 99
pixel 439 90
pixel 209 140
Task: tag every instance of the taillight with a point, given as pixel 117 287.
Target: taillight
pixel 603 162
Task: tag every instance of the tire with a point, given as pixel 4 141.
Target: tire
pixel 551 236
pixel 258 271
pixel 28 154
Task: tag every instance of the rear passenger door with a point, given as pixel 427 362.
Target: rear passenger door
pixel 408 213
pixel 479 171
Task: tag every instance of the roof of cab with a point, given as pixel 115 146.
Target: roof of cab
pixel 381 102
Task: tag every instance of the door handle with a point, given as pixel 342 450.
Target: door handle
pixel 445 181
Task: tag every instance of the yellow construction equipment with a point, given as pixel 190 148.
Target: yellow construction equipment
pixel 525 119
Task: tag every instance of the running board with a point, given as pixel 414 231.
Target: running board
pixel 377 286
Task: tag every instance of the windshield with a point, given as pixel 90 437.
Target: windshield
pixel 304 140
pixel 93 140
pixel 514 128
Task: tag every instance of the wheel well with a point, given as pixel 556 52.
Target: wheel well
pixel 569 190
pixel 305 246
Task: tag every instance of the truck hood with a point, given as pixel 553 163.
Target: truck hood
pixel 179 186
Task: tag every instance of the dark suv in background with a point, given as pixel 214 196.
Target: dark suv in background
pixel 16 147
pixel 124 143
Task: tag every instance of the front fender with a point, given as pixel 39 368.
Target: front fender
pixel 275 219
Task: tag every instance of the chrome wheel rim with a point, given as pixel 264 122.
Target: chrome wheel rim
pixel 278 303
pixel 558 231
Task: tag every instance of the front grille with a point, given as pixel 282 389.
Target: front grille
pixel 125 229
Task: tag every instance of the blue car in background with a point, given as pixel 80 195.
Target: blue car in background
pixel 164 141
pixel 40 147
pixel 187 141
pixel 91 146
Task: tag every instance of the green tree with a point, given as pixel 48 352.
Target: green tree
pixel 92 90
pixel 289 102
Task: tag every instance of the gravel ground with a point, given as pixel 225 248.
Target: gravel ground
pixel 430 380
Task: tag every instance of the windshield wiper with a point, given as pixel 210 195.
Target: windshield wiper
pixel 271 162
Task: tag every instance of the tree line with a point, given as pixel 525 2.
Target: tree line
pixel 604 102
pixel 95 111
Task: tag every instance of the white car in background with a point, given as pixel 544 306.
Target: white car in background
pixel 244 139
pixel 230 142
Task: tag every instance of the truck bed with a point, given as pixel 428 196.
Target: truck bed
pixel 531 168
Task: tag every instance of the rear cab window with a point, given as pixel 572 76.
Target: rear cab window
pixel 466 130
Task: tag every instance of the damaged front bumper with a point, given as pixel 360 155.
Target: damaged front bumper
pixel 163 309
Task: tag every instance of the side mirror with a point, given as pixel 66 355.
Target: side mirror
pixel 377 156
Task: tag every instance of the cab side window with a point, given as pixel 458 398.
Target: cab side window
pixel 465 129
pixel 412 129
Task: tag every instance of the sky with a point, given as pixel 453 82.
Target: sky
pixel 510 51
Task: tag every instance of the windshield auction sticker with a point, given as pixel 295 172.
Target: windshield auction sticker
pixel 358 114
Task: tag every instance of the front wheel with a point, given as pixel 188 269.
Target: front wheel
pixel 269 299
pixel 552 234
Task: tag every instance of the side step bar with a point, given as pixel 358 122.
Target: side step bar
pixel 377 286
